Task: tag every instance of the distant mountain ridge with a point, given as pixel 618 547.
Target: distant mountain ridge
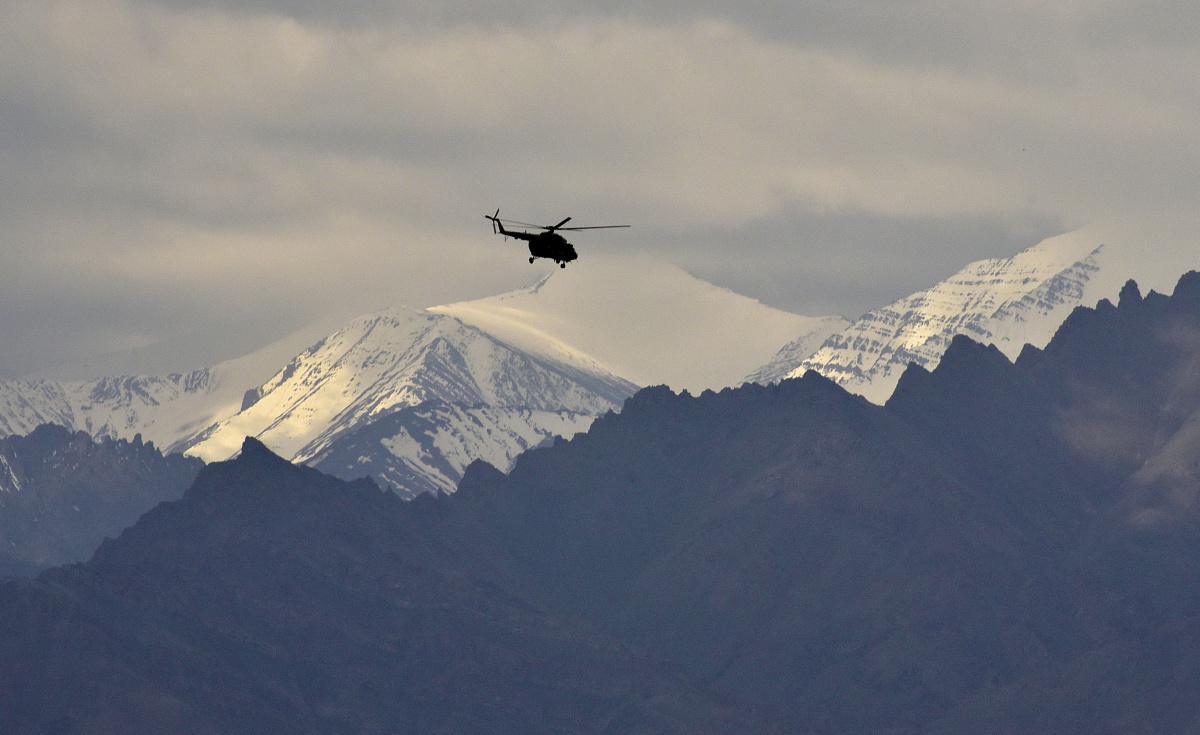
pixel 165 409
pixel 62 493
pixel 515 365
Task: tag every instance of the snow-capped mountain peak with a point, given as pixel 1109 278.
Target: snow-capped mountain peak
pixel 1005 301
pixel 400 357
pixel 1008 302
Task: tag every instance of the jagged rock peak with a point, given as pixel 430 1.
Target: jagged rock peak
pixel 52 432
pixel 808 390
pixel 1029 355
pixel 965 351
pixel 1188 286
pixel 478 478
pixel 254 449
pixel 1130 295
pixel 814 380
pixel 650 396
pixel 963 363
pixel 253 456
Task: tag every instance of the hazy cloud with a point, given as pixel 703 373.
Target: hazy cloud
pixel 246 166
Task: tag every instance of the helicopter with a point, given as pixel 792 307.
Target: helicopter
pixel 547 243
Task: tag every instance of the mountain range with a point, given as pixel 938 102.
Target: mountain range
pixel 505 373
pixel 1005 546
pixel 444 390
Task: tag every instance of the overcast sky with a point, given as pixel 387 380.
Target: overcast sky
pixel 213 173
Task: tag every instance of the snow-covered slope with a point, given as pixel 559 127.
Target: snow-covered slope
pixel 1004 301
pixel 795 352
pixel 165 409
pixel 645 320
pixel 397 358
pixel 158 407
pixel 426 448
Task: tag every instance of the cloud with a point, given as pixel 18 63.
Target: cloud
pixel 210 163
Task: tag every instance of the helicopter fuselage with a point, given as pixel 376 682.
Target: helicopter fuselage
pixel 549 245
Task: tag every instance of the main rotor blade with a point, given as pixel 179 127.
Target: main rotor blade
pixel 523 224
pixel 551 228
pixel 595 227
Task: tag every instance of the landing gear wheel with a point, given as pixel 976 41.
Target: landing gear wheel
pixel 562 265
pixel 531 260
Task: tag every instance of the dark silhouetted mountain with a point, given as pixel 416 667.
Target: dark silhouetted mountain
pixel 274 599
pixel 1004 547
pixel 940 563
pixel 793 546
pixel 62 493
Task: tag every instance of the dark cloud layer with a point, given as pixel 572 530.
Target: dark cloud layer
pixel 229 170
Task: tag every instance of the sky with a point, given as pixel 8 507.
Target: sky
pixel 206 175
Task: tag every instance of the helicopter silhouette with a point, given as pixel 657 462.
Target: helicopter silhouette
pixel 547 243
